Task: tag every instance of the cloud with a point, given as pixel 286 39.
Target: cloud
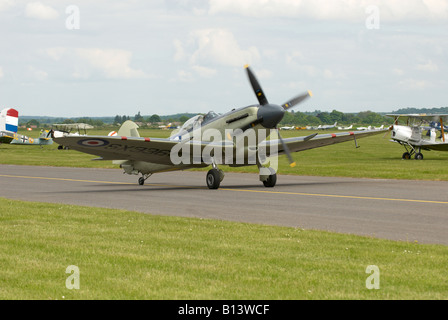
pixel 428 67
pixel 5 5
pixel 114 63
pixel 219 46
pixel 1 72
pixel 334 10
pixel 40 11
pixel 413 84
pixel 204 71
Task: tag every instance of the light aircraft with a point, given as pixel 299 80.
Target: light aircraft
pixel 411 137
pixel 210 139
pixel 288 128
pixel 364 128
pixel 345 128
pixel 327 126
pixel 72 129
pixel 168 126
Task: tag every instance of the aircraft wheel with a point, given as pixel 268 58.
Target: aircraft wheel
pixel 272 180
pixel 418 156
pixel 141 181
pixel 213 179
pixel 406 156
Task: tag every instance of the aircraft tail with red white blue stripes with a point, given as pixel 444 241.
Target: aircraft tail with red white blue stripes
pixel 9 120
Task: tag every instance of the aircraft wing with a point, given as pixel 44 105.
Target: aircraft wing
pixel 154 150
pixel 424 116
pixel 297 144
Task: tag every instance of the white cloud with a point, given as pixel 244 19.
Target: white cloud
pixel 219 46
pixel 204 72
pixel 5 5
pixel 56 53
pixel 40 11
pixel 428 67
pixel 413 84
pixel 346 10
pixel 179 55
pixel 37 74
pixel 114 63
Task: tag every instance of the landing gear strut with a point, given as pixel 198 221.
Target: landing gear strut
pixel 411 151
pixel 268 176
pixel 214 177
pixel 142 179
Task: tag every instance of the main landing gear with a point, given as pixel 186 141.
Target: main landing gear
pixel 417 153
pixel 214 177
pixel 142 179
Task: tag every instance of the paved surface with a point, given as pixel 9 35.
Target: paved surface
pixel 391 209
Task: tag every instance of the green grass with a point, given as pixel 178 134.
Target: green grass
pixel 128 255
pixel 377 157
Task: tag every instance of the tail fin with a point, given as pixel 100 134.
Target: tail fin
pixel 128 129
pixel 9 120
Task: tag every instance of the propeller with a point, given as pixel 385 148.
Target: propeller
pixel 270 115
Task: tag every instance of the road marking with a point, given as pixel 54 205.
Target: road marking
pixel 239 190
pixel 336 196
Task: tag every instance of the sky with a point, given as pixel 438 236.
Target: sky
pixel 105 58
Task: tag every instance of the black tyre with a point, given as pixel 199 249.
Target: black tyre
pixel 272 180
pixel 406 156
pixel 213 179
pixel 419 156
pixel 141 181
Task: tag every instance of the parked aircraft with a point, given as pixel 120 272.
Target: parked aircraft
pixel 43 140
pixel 211 139
pixel 345 128
pixel 327 126
pixel 411 136
pixel 70 129
pixel 9 120
pixel 288 128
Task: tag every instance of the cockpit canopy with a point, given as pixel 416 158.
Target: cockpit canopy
pixel 193 123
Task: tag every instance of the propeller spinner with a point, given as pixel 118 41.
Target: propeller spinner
pixel 270 115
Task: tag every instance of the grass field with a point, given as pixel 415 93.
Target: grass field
pixel 129 255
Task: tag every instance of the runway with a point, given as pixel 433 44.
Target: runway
pixel 390 209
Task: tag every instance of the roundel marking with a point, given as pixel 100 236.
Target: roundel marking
pixel 93 142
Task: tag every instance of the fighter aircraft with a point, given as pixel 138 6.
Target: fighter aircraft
pixel 43 140
pixel 411 137
pixel 9 121
pixel 210 139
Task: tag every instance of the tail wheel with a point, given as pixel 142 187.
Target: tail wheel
pixel 271 181
pixel 213 179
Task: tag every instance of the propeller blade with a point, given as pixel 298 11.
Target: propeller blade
pixel 292 163
pixel 256 87
pixel 390 129
pixel 297 100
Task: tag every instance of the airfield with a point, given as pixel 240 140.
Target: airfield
pixel 340 208
pixel 379 208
